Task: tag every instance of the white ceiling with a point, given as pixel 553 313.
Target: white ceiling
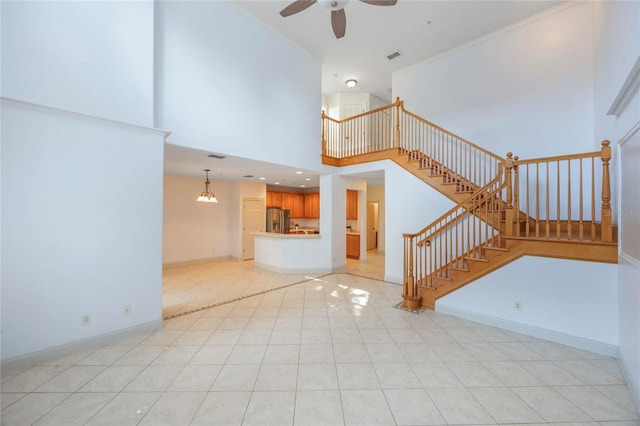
pixel 418 30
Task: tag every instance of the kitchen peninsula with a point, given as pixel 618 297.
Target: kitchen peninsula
pixel 288 253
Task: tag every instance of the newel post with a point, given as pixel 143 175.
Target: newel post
pixel 398 105
pixel 508 219
pixel 410 297
pixel 516 195
pixel 607 231
pixel 324 142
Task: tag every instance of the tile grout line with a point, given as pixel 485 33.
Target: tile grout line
pixel 236 299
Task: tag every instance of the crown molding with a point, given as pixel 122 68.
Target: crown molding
pixel 627 91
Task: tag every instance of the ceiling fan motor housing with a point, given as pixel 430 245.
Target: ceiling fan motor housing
pixel 334 4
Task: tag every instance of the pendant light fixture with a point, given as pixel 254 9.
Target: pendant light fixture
pixel 207 196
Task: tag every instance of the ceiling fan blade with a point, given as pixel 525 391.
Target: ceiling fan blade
pixel 380 2
pixel 339 22
pixel 296 6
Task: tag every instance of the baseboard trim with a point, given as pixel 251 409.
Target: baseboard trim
pixel 292 270
pixel 542 333
pixel 631 385
pixel 47 355
pixel 393 280
pixel 195 261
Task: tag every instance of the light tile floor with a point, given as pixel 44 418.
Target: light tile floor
pixel 329 351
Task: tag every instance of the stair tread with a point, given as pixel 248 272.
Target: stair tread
pixel 476 259
pixel 441 278
pixel 455 268
pixel 496 248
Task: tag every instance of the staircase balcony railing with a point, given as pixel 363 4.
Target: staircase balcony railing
pixel 459 235
pixel 392 126
pixel 551 198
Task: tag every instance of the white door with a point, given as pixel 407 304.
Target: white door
pixel 372 226
pixel 355 132
pixel 253 220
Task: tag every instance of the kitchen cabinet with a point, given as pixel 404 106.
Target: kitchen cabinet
pixel 353 246
pixel 294 203
pixel 274 199
pixel 352 204
pixel 287 202
pixel 300 206
pixel 312 205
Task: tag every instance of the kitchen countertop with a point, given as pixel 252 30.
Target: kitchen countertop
pixel 279 235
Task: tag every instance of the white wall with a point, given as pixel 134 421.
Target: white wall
pixel 90 241
pixel 572 302
pixel 227 84
pixel 528 90
pixel 617 48
pixel 191 230
pixel 88 56
pixel 410 205
pixel 81 227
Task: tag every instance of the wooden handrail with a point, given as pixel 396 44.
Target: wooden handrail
pixel 561 157
pixel 435 126
pixel 364 114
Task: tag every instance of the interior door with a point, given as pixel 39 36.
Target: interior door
pixel 253 220
pixel 372 226
pixel 354 132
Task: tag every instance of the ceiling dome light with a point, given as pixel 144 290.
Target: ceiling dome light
pixel 351 83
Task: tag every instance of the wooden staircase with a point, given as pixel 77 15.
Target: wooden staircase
pixel 505 208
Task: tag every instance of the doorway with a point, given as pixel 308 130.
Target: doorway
pixel 252 221
pixel 372 225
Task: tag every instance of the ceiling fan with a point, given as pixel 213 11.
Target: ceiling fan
pixel 338 17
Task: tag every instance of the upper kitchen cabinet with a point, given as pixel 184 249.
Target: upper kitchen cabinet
pixel 352 204
pixel 300 205
pixel 312 205
pixel 288 202
pixel 274 199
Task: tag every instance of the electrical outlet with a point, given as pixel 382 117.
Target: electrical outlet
pixel 517 306
pixel 85 319
pixel 127 310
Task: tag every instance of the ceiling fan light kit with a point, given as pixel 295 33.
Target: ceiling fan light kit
pixel 338 17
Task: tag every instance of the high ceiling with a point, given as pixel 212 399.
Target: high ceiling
pixel 418 30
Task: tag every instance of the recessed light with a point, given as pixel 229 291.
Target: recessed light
pixel 307 178
pixel 298 173
pixel 302 186
pixel 261 178
pixel 276 183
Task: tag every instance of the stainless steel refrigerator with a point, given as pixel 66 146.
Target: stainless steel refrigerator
pixel 278 220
